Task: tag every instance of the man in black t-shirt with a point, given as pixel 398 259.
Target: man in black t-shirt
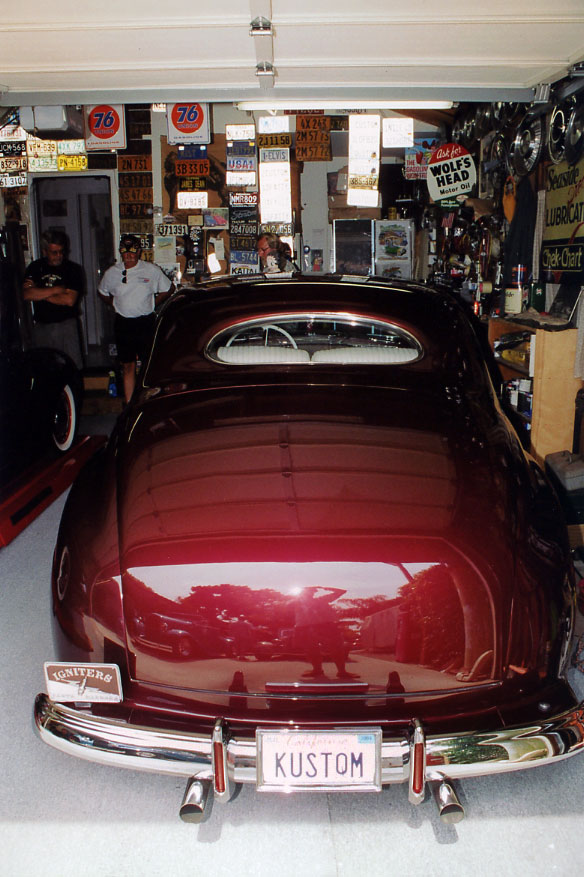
pixel 54 285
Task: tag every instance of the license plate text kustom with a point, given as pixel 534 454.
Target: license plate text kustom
pixel 319 760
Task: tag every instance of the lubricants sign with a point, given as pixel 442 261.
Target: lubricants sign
pixel 562 252
pixel 105 127
pixel 451 172
pixel 188 123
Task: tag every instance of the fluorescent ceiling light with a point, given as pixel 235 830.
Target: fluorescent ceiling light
pixel 344 104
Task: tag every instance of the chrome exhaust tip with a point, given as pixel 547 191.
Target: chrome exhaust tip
pixel 450 809
pixel 195 801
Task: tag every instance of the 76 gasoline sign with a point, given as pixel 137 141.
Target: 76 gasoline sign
pixel 451 171
pixel 105 127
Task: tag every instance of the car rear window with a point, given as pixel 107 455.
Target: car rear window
pixel 309 340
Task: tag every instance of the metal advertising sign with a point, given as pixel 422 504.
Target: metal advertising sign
pixel 417 158
pixel 96 683
pixel 451 172
pixel 105 127
pixel 562 252
pixel 188 123
pixel 244 269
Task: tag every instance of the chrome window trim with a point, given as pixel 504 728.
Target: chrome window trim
pixel 301 316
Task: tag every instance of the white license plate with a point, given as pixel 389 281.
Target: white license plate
pixel 92 683
pixel 319 760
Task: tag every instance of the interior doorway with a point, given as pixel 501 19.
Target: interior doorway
pixel 81 207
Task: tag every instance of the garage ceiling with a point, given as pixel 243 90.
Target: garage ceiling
pixel 74 52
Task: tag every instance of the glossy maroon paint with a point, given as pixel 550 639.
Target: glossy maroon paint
pixel 317 544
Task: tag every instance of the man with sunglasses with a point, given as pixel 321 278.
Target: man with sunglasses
pixel 134 288
pixel 54 285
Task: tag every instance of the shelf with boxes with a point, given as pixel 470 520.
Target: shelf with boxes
pixel 546 358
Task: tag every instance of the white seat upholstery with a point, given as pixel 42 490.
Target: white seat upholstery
pixel 243 354
pixel 366 355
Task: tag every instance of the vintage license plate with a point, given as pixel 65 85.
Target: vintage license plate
pixel 9 165
pixel 313 152
pixel 136 195
pixel 67 162
pixel 42 163
pixel 12 147
pixel 13 182
pixel 139 210
pixel 166 229
pixel 319 760
pixel 135 163
pixel 94 683
pixel 267 140
pixel 193 168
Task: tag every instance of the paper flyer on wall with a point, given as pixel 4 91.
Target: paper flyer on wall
pixel 393 239
pixel 393 248
pixel 393 269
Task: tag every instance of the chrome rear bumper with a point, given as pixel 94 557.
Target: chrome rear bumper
pixel 116 743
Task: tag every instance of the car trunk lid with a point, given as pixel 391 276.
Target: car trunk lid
pixel 275 554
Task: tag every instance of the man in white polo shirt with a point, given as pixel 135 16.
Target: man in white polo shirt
pixel 134 288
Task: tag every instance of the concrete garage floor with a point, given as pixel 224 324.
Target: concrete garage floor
pixel 63 817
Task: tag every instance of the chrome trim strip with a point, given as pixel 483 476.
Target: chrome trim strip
pixel 117 743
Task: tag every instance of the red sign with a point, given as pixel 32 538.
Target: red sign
pixel 104 122
pixel 451 172
pixel 188 123
pixel 105 127
pixel 187 118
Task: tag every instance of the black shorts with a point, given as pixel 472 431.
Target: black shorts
pixel 134 337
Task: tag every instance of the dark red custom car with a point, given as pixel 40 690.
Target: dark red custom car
pixel 314 555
